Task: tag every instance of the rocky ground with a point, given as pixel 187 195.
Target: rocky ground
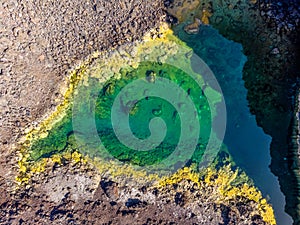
pixel 75 193
pixel 40 41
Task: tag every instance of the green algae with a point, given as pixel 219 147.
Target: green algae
pixel 141 113
pixel 55 142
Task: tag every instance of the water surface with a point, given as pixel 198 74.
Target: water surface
pixel 247 143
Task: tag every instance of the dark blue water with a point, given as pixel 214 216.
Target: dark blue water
pixel 247 143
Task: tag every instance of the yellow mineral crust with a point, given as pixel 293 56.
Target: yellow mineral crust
pixel 225 185
pixel 182 8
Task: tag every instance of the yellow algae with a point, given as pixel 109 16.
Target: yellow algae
pixel 28 169
pixel 56 159
pixel 78 157
pixel 185 173
pixel 116 170
pixel 181 9
pixel 267 213
pixel 39 167
pixel 205 16
pixel 221 181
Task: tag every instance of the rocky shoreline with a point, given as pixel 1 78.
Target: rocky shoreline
pixel 40 43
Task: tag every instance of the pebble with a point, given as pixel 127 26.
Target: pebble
pixel 275 51
pixel 285 15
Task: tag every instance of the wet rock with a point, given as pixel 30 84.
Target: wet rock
pixel 285 14
pixel 275 51
pixel 179 199
pixel 150 76
pixel 193 28
pixel 218 19
pixel 134 203
pixel 110 188
pixel 171 19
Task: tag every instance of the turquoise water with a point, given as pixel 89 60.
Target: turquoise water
pixel 93 107
pixel 247 143
pixel 143 111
